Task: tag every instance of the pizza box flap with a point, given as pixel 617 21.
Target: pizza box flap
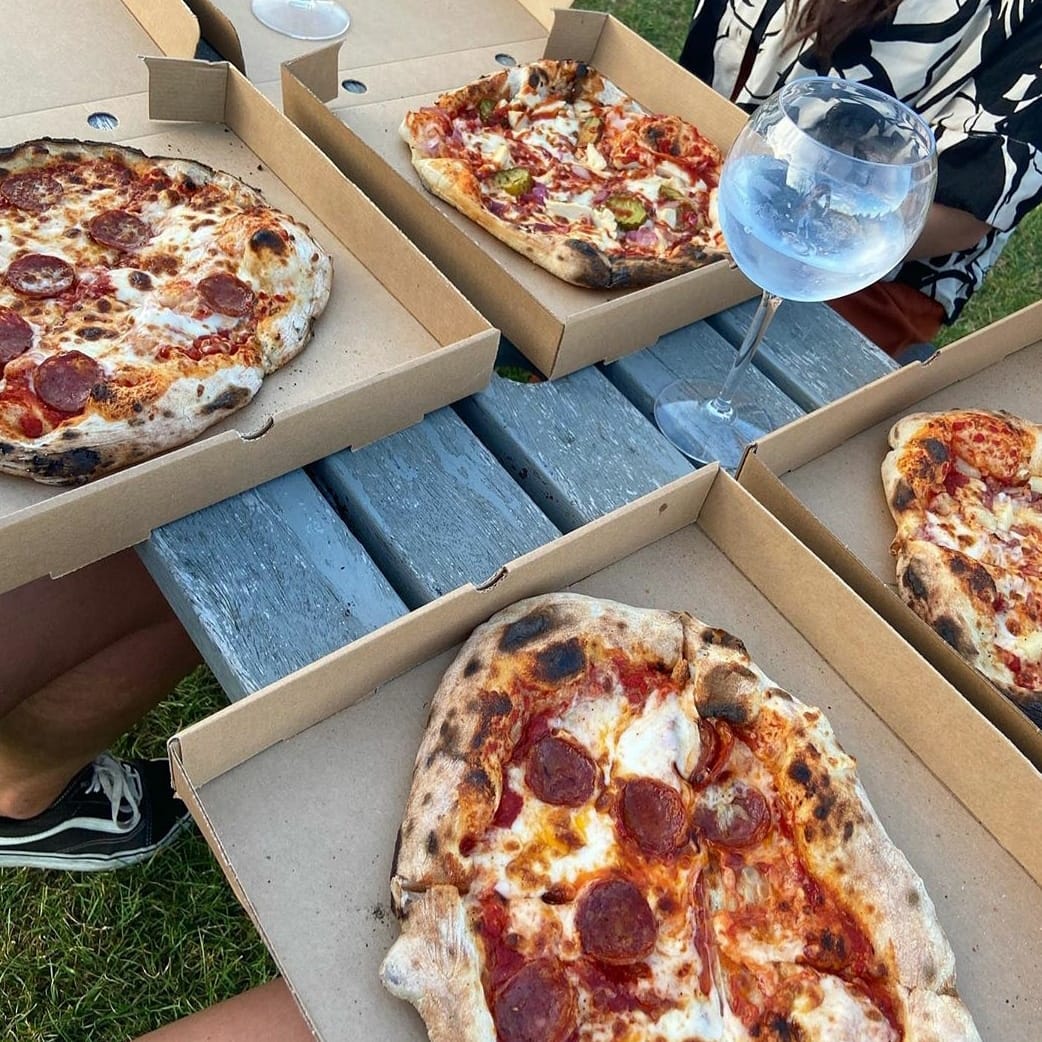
pixel 395 342
pixel 821 476
pixel 559 327
pixel 55 52
pixel 299 788
pixel 380 32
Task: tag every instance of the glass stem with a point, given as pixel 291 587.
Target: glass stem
pixel 761 320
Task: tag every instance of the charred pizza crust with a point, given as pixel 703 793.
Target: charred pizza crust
pixel 436 963
pixel 580 259
pixel 962 565
pixel 158 361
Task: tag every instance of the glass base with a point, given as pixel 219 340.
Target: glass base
pixel 303 19
pixel 685 416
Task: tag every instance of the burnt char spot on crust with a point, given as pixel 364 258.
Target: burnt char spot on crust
pixel 432 843
pixel 140 280
pixel 802 774
pixel 776 1028
pixel 560 661
pixel 1032 706
pixel 230 399
pixel 268 239
pixel 478 779
pixel 904 497
pixel 70 465
pixel 912 581
pixel 524 631
pixel 954 633
pixel 491 705
pixel 935 449
pixel 594 269
pixel 975 577
pixel 396 854
pixel 472 667
pixel 722 639
pixel 723 693
pixel 833 810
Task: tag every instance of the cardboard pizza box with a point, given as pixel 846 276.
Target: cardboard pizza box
pixel 821 477
pixel 380 33
pixel 559 327
pixel 55 52
pixel 300 787
pixel 396 340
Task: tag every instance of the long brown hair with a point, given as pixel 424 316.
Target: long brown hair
pixel 830 22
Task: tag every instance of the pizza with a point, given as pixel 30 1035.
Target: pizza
pixel 965 491
pixel 142 299
pixel 562 166
pixel 620 829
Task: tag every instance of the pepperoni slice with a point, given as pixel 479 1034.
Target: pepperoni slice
pixel 653 814
pixel 560 772
pixel 33 190
pixel 733 815
pixel 615 923
pixel 64 381
pixel 40 275
pixel 537 1004
pixel 119 229
pixel 16 336
pixel 226 294
pixel 716 743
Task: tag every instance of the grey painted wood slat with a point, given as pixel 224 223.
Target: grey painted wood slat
pixel 575 445
pixel 268 581
pixel 694 352
pixel 808 351
pixel 433 507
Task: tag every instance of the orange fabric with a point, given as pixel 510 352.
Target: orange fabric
pixel 891 314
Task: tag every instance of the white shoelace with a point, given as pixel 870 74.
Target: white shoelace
pixel 122 785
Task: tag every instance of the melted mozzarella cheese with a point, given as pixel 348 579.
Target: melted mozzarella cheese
pixel 660 743
pixel 841 1014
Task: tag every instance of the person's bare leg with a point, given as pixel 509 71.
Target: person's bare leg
pixel 85 657
pixel 264 1014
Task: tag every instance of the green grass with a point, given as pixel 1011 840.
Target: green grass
pixel 109 956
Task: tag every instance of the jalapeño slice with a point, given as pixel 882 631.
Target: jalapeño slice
pixel 630 213
pixel 590 131
pixel 515 181
pixel 485 109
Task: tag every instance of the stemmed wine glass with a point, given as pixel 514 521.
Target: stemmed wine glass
pixel 824 191
pixel 303 19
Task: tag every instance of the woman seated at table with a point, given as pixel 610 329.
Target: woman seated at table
pixel 971 68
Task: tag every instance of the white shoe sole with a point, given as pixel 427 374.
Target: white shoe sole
pixel 91 862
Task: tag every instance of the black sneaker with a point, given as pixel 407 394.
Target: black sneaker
pixel 113 813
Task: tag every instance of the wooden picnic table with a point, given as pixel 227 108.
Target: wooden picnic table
pixel 278 576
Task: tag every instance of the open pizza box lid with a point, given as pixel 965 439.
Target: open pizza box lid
pixel 395 342
pixel 55 52
pixel 559 327
pixel 300 787
pixel 821 477
pixel 379 34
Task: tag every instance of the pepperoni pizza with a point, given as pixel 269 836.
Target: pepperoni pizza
pixel 557 162
pixel 620 829
pixel 965 489
pixel 141 300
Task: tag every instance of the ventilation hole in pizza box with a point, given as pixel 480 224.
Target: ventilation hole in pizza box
pixel 506 59
pixel 103 121
pixel 354 86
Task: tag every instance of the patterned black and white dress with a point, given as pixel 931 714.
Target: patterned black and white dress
pixel 972 68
